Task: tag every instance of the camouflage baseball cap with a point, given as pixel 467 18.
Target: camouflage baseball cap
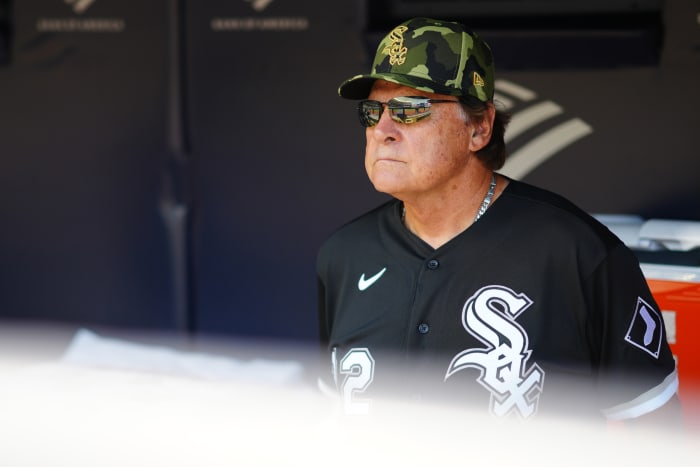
pixel 431 55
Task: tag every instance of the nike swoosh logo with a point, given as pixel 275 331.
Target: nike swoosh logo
pixel 363 283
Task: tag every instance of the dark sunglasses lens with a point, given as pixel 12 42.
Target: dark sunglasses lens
pixel 401 109
pixel 409 109
pixel 369 112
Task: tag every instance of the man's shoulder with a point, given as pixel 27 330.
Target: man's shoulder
pixel 541 206
pixel 366 220
pixel 538 196
pixel 358 230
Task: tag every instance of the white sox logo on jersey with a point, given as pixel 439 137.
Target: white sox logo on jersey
pixel 489 315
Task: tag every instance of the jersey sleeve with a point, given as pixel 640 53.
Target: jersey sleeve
pixel 637 373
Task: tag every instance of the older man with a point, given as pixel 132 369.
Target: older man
pixel 467 284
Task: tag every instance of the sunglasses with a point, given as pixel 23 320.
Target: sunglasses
pixel 407 109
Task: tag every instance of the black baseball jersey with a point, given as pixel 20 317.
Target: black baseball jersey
pixel 535 307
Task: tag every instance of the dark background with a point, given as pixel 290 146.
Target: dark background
pixel 174 165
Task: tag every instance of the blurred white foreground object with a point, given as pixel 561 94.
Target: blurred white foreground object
pixel 90 349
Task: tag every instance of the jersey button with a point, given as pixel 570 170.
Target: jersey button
pixel 433 264
pixel 423 328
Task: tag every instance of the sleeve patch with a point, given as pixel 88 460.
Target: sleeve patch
pixel 646 329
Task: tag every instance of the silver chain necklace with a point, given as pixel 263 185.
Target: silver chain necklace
pixel 482 209
pixel 487 199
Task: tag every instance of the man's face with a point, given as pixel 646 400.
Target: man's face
pixel 426 158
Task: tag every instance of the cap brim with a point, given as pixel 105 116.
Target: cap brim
pixel 359 87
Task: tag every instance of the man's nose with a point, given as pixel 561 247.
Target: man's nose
pixel 385 124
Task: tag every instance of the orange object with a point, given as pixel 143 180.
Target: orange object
pixel 679 300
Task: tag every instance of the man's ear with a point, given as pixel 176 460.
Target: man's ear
pixel 481 130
